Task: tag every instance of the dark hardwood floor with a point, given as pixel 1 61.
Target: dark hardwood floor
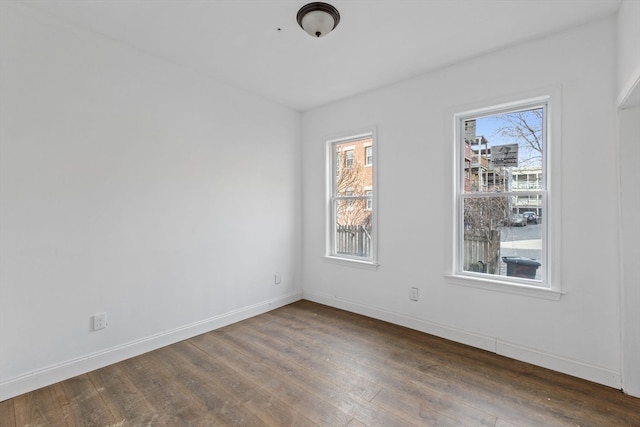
pixel 307 364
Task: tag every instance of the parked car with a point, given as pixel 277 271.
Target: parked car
pixel 517 220
pixel 531 217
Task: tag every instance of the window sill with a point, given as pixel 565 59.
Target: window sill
pixel 349 262
pixel 507 287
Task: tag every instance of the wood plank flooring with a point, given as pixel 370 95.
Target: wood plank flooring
pixel 311 365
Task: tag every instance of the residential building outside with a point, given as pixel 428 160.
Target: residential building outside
pixel 353 195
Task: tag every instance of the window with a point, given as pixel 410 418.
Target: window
pixel 348 159
pixel 502 230
pixel 368 155
pixel 351 205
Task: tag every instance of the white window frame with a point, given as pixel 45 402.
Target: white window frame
pixel 331 254
pixel 549 287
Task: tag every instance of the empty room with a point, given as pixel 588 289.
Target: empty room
pixel 282 212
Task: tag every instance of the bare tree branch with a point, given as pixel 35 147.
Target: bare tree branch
pixel 349 182
pixel 524 128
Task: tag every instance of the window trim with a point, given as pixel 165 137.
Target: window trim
pixel 330 227
pixel 550 288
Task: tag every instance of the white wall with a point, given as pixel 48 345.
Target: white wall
pixel 133 187
pixel 580 333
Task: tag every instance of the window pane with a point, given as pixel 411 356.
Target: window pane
pixel 353 240
pixel 351 175
pixel 503 152
pixel 499 242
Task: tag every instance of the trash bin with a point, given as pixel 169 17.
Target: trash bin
pixel 521 267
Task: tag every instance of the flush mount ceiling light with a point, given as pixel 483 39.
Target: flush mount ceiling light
pixel 318 19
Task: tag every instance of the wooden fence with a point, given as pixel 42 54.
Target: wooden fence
pixel 481 253
pixel 353 240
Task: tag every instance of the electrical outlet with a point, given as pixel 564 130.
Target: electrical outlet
pixel 99 321
pixel 413 294
pixel 277 278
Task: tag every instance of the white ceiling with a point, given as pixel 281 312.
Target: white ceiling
pixel 256 45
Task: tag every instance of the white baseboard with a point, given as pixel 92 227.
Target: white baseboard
pixel 463 337
pixel 71 368
pixel 561 364
pixel 556 363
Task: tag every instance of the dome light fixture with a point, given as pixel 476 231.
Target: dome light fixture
pixel 318 19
